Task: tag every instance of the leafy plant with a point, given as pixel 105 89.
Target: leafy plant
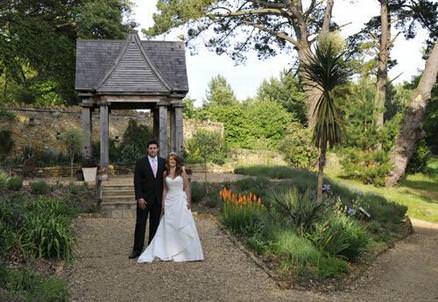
pixel 48 236
pixel 328 71
pixel 301 211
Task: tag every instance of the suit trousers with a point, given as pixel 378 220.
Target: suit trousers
pixel 154 212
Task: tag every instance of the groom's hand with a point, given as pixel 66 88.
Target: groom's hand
pixel 142 203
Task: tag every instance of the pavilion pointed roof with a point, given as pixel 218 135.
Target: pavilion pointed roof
pixel 130 67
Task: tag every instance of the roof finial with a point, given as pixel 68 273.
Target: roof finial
pixel 131 26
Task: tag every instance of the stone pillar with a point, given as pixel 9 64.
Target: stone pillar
pixel 156 123
pixel 86 125
pixel 163 135
pixel 178 129
pixel 172 129
pixel 104 141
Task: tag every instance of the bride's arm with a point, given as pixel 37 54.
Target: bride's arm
pixel 164 192
pixel 187 188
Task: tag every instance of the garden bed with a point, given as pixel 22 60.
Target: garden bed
pixel 304 244
pixel 36 237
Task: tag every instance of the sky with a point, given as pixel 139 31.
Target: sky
pixel 245 79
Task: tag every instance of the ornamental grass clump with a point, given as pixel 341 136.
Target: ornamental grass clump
pixel 242 213
pixel 341 236
pixel 47 232
pixel 298 254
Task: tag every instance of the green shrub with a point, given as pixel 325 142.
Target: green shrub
pixel 198 192
pixel 340 236
pixel 266 120
pixel 3 180
pixel 29 286
pixel 279 172
pixel 134 143
pixel 6 114
pixel 301 211
pixel 7 143
pixel 370 167
pixel 300 254
pixel 51 206
pixel 206 146
pixel 419 160
pixel 297 147
pixel 40 187
pixel 15 183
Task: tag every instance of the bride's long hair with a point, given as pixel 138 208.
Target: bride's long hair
pixel 178 168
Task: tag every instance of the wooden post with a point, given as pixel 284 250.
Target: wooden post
pixel 86 124
pixel 104 142
pixel 178 125
pixel 163 136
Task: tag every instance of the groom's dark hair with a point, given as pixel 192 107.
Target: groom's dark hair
pixel 152 142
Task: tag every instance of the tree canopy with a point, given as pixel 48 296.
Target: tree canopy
pixel 37 43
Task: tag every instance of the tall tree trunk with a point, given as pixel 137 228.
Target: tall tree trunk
pixel 382 64
pixel 321 166
pixel 411 129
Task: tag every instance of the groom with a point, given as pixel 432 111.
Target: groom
pixel 148 185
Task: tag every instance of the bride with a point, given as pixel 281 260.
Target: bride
pixel 176 238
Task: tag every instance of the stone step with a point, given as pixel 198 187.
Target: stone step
pixel 118 185
pixel 118 199
pixel 118 209
pixel 121 191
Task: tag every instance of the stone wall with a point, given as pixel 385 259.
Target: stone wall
pixel 40 128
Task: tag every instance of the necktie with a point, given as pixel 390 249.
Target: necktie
pixel 154 166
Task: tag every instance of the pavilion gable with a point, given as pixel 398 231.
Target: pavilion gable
pixel 133 72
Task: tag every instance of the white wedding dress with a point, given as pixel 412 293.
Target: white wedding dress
pixel 176 238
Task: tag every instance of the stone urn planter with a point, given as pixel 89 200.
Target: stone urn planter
pixel 89 174
pixel 89 170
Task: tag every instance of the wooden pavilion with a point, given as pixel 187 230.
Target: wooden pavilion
pixel 132 74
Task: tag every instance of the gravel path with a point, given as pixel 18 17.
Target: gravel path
pixel 103 272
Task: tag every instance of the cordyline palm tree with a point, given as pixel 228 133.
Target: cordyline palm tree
pixel 326 68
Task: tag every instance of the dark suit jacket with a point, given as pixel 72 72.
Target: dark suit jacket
pixel 145 184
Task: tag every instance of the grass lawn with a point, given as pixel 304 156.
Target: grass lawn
pixel 419 192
